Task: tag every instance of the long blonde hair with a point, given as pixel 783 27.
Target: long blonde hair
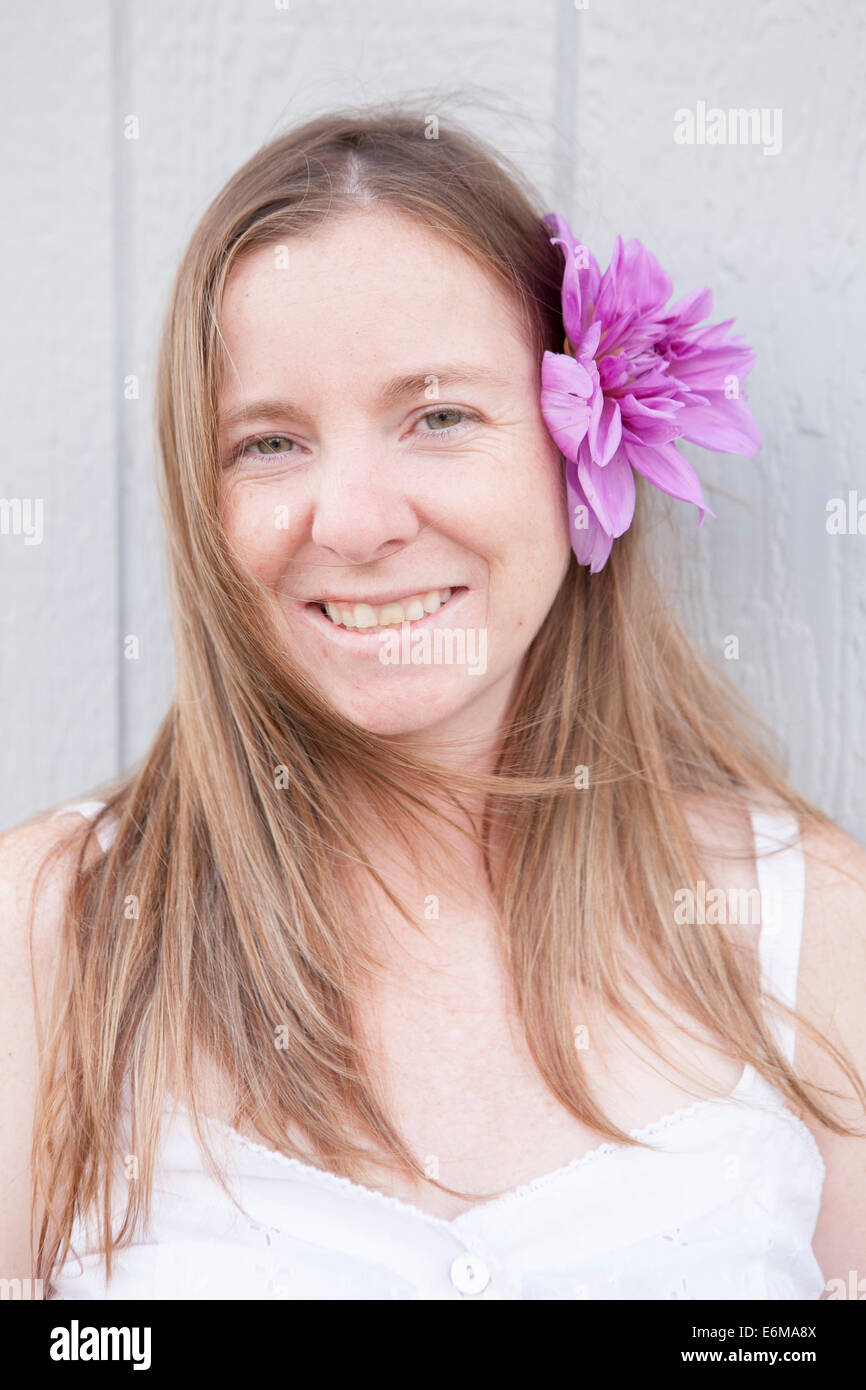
pixel 242 926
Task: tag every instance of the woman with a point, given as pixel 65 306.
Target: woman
pixel 389 972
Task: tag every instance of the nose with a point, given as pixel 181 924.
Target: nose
pixel 361 513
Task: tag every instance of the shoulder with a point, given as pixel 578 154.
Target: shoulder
pixel 833 953
pixel 832 996
pixel 32 865
pixel 37 862
pixel 835 885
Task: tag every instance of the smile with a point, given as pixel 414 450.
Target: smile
pixel 359 621
pixel 410 608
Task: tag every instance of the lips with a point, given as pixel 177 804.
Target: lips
pixel 362 614
pixel 389 596
pixel 363 638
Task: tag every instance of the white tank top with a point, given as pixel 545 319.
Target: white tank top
pixel 723 1206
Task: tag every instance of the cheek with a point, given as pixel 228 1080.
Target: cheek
pixel 527 511
pixel 259 530
pixel 546 505
pixel 530 548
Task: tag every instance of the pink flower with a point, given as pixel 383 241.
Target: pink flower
pixel 632 380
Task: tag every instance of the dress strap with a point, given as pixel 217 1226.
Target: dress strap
pixel 90 810
pixel 781 871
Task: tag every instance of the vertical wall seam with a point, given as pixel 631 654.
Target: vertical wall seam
pixel 567 33
pixel 118 27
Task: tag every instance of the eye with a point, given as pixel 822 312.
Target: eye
pixel 441 420
pixel 270 445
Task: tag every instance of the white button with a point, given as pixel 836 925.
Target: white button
pixel 469 1273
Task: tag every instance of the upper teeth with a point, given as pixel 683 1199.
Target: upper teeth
pixel 402 610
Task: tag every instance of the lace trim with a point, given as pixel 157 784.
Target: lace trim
pixel 664 1123
pixel 336 1180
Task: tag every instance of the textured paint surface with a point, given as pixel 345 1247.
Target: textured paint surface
pixel 583 99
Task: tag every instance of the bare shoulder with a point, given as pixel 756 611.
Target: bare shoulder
pixel 37 861
pixel 832 995
pixel 833 953
pixel 835 883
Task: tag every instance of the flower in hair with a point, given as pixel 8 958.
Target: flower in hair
pixel 632 379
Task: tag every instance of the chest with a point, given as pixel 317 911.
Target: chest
pixel 456 1071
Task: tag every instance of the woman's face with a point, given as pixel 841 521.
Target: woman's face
pixel 383 447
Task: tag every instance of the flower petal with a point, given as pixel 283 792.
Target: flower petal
pixel 558 228
pixel 708 367
pixel 572 298
pixel 654 420
pixel 605 428
pixel 590 542
pixel 562 372
pixel 580 279
pixel 634 281
pixel 566 390
pixel 647 285
pixel 588 345
pixel 690 309
pixel 667 469
pixel 724 425
pixel 610 490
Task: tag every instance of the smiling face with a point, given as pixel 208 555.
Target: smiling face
pixel 384 451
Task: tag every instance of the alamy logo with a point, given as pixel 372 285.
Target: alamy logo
pixel 445 646
pixel 75 1343
pixel 855 1287
pixel 22 516
pixel 847 519
pixel 21 1289
pixel 700 905
pixel 711 125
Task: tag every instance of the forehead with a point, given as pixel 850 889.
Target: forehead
pixel 367 290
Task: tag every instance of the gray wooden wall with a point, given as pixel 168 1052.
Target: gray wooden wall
pixel 583 96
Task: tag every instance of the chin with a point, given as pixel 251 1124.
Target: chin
pixel 401 713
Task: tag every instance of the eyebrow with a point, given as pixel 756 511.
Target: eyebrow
pixel 398 389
